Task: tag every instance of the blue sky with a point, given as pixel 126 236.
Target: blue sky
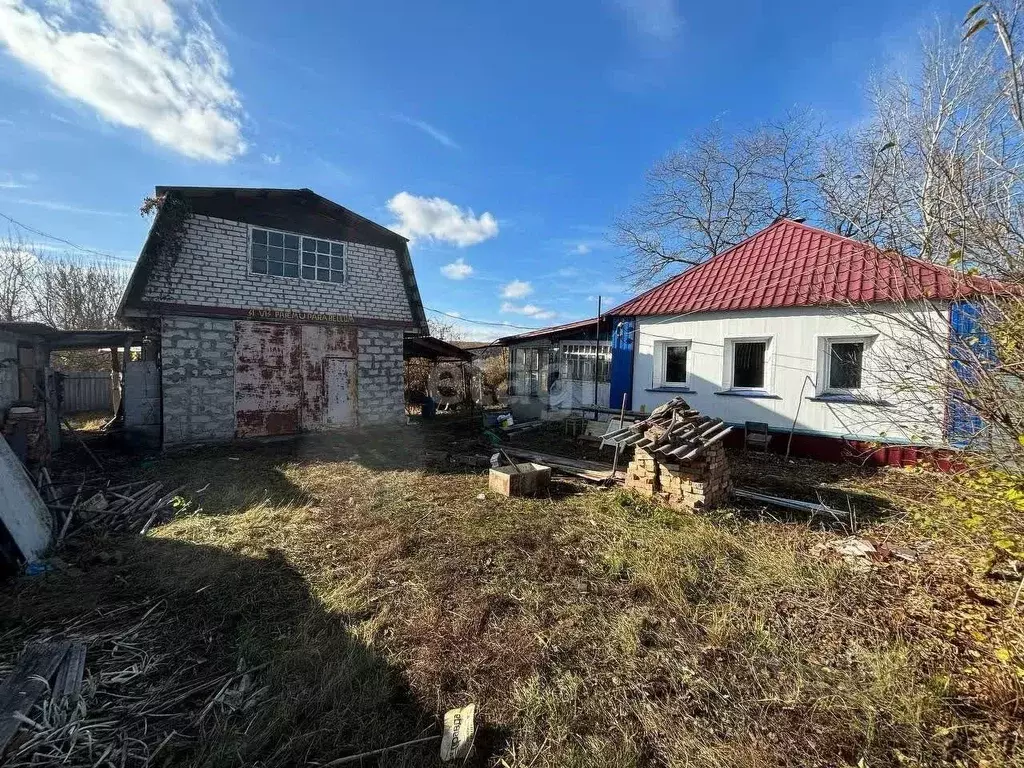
pixel 503 137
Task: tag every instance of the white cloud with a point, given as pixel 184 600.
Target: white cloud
pixel 435 218
pixel 517 289
pixel 457 270
pixel 581 249
pixel 137 64
pixel 271 159
pixel 10 183
pixel 435 133
pixel 651 21
pixel 568 272
pixel 530 310
pixel 52 205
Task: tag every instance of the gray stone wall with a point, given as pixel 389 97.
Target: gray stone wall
pixel 212 270
pixel 381 377
pixel 198 380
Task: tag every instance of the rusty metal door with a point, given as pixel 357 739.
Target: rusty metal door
pixel 268 379
pixel 340 391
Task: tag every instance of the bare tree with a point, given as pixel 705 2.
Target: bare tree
pixel 18 268
pixel 717 190
pixel 72 294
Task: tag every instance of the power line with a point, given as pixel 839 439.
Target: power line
pixel 484 322
pixel 48 236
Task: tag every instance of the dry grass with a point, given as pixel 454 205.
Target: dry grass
pixel 592 628
pixel 88 421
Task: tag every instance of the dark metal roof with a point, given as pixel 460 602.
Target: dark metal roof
pixel 26 327
pixel 59 339
pixel 434 349
pixel 296 210
pixel 555 330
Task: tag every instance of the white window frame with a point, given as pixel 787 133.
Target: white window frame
pixel 661 363
pixel 825 366
pixel 299 277
pixel 729 372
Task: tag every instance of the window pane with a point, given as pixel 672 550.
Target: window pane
pixel 308 273
pixel 675 364
pixel 291 270
pixel 846 361
pixel 275 238
pixel 309 259
pixel 308 244
pixel 259 252
pixel 323 274
pixel 291 241
pixel 748 368
pixel 337 249
pixel 323 260
pixel 275 254
pixel 290 256
pixel 337 263
pixel 276 268
pixel 322 246
pixel 259 267
pixel 259 236
pixel 337 277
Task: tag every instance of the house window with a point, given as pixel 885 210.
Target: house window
pixel 284 255
pixel 845 364
pixel 671 362
pixel 748 364
pixel 579 360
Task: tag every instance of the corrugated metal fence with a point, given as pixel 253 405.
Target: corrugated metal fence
pixel 87 391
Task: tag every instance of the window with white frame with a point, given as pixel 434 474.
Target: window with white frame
pixel 671 364
pixel 286 255
pixel 579 360
pixel 749 364
pixel 844 365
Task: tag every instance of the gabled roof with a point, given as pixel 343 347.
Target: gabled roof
pixel 301 210
pixel 555 330
pixel 791 264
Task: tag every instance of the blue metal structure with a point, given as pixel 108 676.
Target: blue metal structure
pixel 623 338
pixel 970 346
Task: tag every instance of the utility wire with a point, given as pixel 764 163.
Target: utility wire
pixel 48 236
pixel 484 322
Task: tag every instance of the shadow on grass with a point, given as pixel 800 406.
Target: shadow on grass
pixel 189 614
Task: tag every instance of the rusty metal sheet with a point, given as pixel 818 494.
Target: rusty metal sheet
pixel 341 391
pixel 320 343
pixel 268 379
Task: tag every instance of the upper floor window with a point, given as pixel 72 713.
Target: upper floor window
pixel 285 255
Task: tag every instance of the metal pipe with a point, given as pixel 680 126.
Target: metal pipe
pixel 792 427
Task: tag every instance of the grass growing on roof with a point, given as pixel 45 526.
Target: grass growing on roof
pixel 593 628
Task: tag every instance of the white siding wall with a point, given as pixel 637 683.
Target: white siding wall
pixel 795 361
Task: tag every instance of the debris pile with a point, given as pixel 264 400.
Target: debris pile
pixel 678 456
pixel 129 507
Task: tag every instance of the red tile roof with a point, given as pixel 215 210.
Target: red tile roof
pixel 790 264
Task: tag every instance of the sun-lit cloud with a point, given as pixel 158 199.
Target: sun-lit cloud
pixel 271 159
pixel 517 289
pixel 434 218
pixel 457 270
pixel 581 249
pixel 435 133
pixel 530 310
pixel 137 63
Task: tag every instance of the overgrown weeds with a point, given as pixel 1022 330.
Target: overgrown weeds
pixel 595 629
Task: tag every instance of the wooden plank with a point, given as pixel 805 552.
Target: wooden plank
pixel 26 684
pixel 69 677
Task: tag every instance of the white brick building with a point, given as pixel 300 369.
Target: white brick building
pixel 277 311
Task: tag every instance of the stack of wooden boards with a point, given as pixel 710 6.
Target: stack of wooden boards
pixel 126 507
pixel 678 456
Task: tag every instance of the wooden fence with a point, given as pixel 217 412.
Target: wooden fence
pixel 87 391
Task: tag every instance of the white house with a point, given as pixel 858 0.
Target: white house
pixel 811 333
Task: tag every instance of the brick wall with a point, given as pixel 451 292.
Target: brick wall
pixel 198 380
pixel 381 377
pixel 212 270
